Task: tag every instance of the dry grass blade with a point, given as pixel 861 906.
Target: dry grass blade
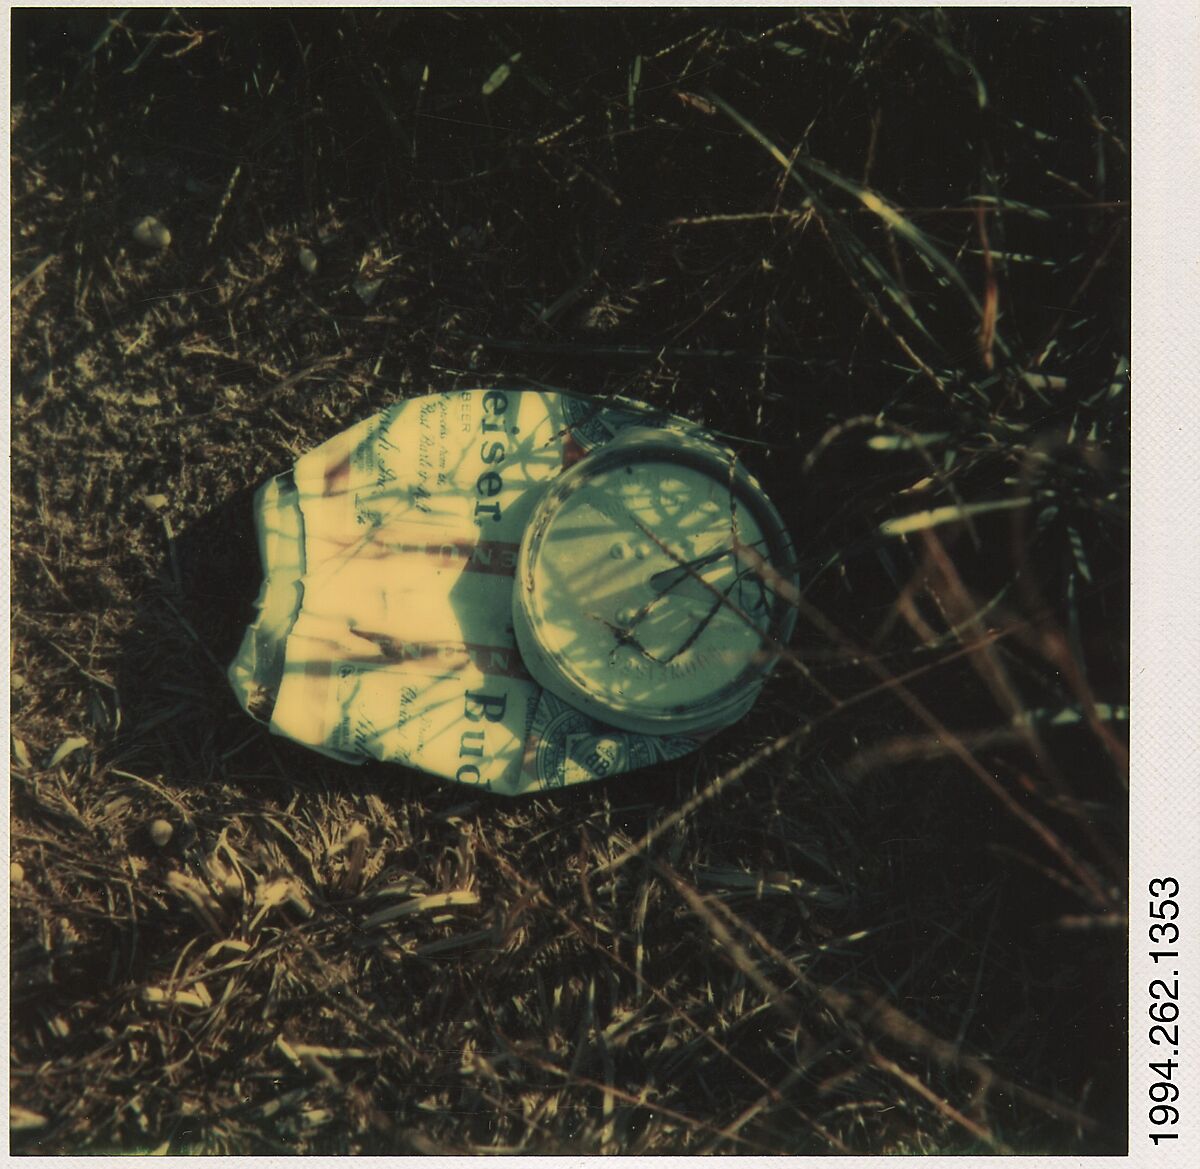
pixel 877 1015
pixel 873 203
pixel 431 902
pixel 644 1101
pixel 957 513
pixel 21 1120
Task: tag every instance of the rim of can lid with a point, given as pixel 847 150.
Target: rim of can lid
pixel 651 708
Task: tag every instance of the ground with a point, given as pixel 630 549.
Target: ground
pixel 886 254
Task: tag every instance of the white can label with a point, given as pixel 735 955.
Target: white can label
pixel 388 633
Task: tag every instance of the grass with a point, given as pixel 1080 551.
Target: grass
pixel 886 253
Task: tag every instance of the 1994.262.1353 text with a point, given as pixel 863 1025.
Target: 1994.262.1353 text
pixel 1164 1008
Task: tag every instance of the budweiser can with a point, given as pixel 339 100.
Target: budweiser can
pixel 388 625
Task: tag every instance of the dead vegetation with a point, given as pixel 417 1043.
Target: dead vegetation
pixel 886 254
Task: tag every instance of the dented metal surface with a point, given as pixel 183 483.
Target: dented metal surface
pixel 386 615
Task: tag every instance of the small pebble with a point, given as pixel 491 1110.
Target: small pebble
pixel 308 261
pixel 16 872
pixel 367 290
pixel 150 233
pixel 161 832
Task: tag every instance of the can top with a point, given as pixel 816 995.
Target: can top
pixel 647 584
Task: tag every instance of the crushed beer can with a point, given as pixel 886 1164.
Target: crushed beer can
pixel 514 589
